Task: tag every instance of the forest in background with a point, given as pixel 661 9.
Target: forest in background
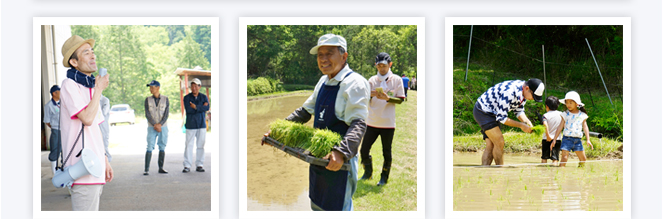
pixel 280 53
pixel 135 55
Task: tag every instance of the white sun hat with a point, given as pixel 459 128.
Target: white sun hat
pixel 572 95
pixel 329 40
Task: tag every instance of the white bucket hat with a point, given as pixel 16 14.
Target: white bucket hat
pixel 329 40
pixel 572 95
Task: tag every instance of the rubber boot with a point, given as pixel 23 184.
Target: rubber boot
pixel 384 176
pixel 162 155
pixel 53 165
pixel 148 158
pixel 368 168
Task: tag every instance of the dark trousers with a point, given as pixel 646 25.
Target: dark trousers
pixel 56 145
pixel 553 154
pixel 387 136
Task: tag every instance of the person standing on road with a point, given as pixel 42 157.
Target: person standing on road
pixel 339 103
pixel 52 120
pixel 491 109
pixel 81 93
pixel 381 115
pixel 196 105
pixel 105 126
pixel 156 112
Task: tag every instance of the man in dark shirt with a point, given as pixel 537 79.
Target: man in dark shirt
pixel 196 106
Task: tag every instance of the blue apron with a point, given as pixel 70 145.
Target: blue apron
pixel 327 188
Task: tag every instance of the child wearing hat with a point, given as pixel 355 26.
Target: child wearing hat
pixel 52 120
pixel 575 122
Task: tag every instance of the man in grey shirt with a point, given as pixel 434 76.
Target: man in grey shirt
pixel 156 112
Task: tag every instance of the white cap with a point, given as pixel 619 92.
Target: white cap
pixel 197 81
pixel 572 95
pixel 330 40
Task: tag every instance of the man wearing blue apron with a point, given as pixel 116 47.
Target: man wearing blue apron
pixel 338 103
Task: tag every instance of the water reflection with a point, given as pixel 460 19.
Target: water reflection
pixel 274 180
pixel 597 186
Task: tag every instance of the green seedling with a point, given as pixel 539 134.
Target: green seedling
pixel 318 141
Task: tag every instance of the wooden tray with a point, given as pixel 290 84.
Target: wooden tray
pixel 301 154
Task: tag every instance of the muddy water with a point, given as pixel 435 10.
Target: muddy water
pixel 596 186
pixel 275 181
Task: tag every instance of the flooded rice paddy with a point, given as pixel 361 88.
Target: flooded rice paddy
pixel 598 186
pixel 275 181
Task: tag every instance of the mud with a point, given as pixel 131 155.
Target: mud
pixel 274 180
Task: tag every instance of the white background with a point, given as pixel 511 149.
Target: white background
pixel 16 68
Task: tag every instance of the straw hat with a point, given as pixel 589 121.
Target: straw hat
pixel 70 47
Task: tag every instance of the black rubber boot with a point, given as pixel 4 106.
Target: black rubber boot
pixel 368 168
pixel 148 158
pixel 162 155
pixel 384 176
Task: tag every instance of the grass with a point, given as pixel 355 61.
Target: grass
pixel 318 141
pixel 400 193
pixel 520 142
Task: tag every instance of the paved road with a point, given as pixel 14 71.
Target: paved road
pixel 130 190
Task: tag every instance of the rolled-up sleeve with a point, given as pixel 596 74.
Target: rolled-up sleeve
pixel 520 110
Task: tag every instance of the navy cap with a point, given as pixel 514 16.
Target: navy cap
pixel 55 88
pixel 383 57
pixel 154 83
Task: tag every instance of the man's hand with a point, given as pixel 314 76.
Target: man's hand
pixel 262 142
pixel 526 128
pixel 109 171
pixel 206 104
pixel 382 96
pixel 192 105
pixel 101 83
pixel 374 93
pixel 335 160
pixel 157 127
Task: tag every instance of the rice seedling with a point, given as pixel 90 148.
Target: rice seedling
pixel 317 141
pixel 538 130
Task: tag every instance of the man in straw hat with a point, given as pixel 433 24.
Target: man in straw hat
pixel 339 103
pixel 80 97
pixel 196 106
pixel 491 109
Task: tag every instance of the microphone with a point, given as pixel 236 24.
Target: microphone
pixel 103 72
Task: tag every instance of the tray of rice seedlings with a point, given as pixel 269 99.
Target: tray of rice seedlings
pixel 303 142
